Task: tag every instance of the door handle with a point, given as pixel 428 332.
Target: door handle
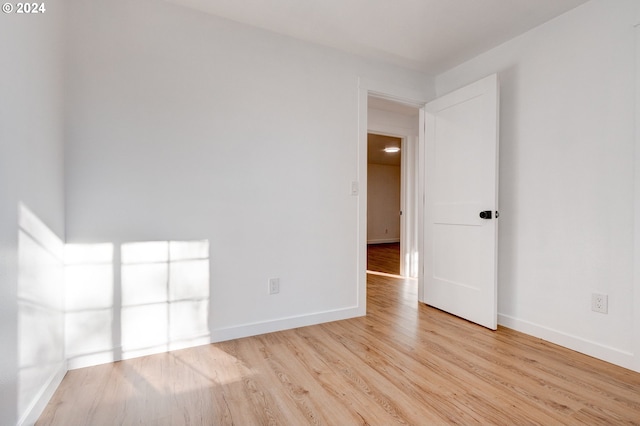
pixel 486 214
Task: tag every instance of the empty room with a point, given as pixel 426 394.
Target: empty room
pixel 184 199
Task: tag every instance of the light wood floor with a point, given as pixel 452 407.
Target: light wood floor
pixel 403 363
pixel 384 258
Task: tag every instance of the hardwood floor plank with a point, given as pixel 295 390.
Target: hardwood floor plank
pixel 430 391
pixel 295 401
pixel 367 393
pixel 384 258
pixel 403 363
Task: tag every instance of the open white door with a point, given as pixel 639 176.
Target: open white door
pixel 461 197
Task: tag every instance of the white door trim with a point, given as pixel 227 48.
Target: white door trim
pixel 636 233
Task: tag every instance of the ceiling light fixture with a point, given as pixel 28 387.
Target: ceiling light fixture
pixel 391 149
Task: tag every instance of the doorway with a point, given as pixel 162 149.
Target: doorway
pixel 384 209
pixel 463 124
pixel 392 123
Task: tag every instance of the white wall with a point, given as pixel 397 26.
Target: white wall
pixel 189 127
pixel 383 204
pixel 566 176
pixel 31 175
pixel 41 349
pixel 394 123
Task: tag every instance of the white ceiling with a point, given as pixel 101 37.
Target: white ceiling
pixel 427 35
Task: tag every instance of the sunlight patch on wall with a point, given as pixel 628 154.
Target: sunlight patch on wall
pixel 89 301
pixel 165 296
pixel 40 307
pixel 411 262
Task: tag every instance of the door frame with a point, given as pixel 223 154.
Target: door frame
pixel 391 92
pixel 636 236
pixel 406 175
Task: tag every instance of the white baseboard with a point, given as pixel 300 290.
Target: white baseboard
pixel 384 241
pixel 119 353
pixel 91 359
pixel 253 329
pixel 606 353
pixel 218 335
pixel 31 415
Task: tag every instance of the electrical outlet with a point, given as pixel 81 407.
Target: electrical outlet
pixel 274 285
pixel 599 303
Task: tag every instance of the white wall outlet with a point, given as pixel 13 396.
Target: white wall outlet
pixel 274 285
pixel 599 303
